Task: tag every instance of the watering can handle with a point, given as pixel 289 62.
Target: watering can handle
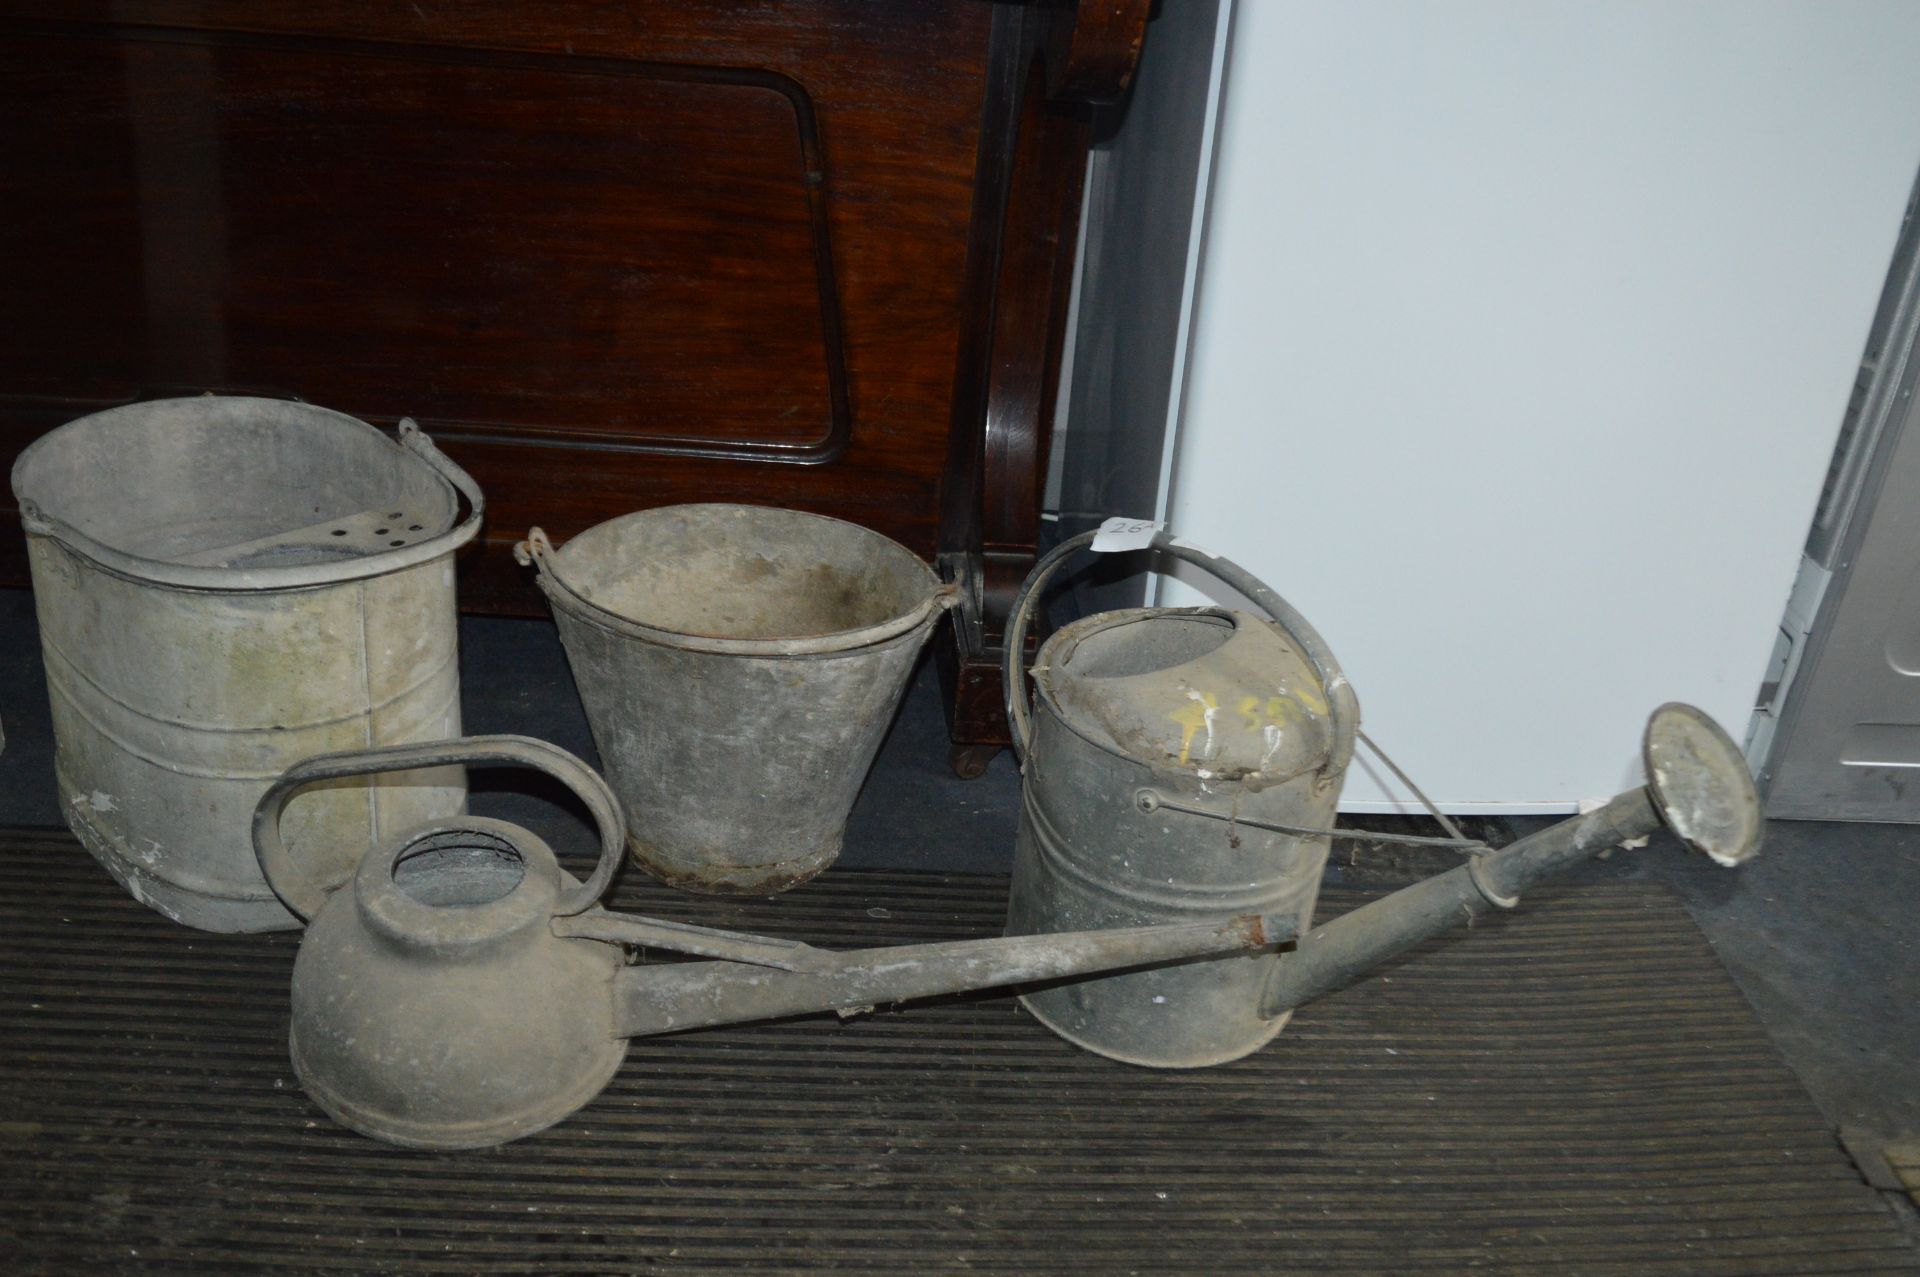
pixel 304 895
pixel 1345 708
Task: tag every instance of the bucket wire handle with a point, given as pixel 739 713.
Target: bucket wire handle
pixel 416 441
pixel 1343 706
pixel 304 894
pixel 537 549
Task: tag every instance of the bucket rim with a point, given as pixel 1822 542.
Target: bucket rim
pixel 412 443
pixel 539 551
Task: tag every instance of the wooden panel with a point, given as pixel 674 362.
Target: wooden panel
pixel 611 255
pixel 666 281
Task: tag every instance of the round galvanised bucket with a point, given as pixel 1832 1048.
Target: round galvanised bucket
pixel 739 666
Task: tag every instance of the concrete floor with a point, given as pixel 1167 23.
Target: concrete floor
pixel 1819 932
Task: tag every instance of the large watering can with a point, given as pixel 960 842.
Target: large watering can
pixel 1184 763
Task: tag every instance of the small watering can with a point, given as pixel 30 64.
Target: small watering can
pixel 462 990
pixel 1184 763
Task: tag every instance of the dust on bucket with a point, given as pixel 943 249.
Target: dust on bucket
pixel 739 666
pixel 226 586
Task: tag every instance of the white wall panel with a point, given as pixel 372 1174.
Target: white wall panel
pixel 1522 334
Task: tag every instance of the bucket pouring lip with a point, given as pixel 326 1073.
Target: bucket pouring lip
pixel 189 576
pixel 539 552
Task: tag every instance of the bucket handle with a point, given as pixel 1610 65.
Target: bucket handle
pixel 304 894
pixel 416 441
pixel 538 551
pixel 189 576
pixel 1343 706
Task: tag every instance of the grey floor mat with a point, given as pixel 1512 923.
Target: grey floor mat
pixel 1577 1087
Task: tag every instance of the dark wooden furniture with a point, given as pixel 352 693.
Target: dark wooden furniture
pixel 611 255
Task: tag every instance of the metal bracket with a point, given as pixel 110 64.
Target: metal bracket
pixel 1475 871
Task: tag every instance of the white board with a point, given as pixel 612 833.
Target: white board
pixel 1521 339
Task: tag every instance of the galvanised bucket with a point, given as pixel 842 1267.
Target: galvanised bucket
pixel 1155 734
pixel 739 666
pixel 226 586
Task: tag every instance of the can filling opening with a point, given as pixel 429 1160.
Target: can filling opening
pixel 1148 644
pixel 459 869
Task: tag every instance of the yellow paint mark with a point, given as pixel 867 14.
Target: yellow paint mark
pixel 1275 713
pixel 1192 717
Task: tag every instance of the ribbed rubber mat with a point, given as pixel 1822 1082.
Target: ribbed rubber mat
pixel 1577 1087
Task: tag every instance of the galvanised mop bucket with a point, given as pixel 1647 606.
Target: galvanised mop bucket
pixel 226 586
pixel 739 666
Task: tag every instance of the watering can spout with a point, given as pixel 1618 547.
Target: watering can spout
pixel 671 997
pixel 1698 786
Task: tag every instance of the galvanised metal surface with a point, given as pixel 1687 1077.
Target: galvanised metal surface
pixel 1221 710
pixel 225 586
pixel 1698 787
pixel 1086 857
pixel 739 666
pixel 1164 745
pixel 433 1006
pixel 464 990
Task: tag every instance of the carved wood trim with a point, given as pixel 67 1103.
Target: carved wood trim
pixel 1045 67
pixel 1096 47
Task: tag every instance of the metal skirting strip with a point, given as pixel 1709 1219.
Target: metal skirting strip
pixel 1577 1087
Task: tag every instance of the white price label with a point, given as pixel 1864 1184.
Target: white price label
pixel 1118 534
